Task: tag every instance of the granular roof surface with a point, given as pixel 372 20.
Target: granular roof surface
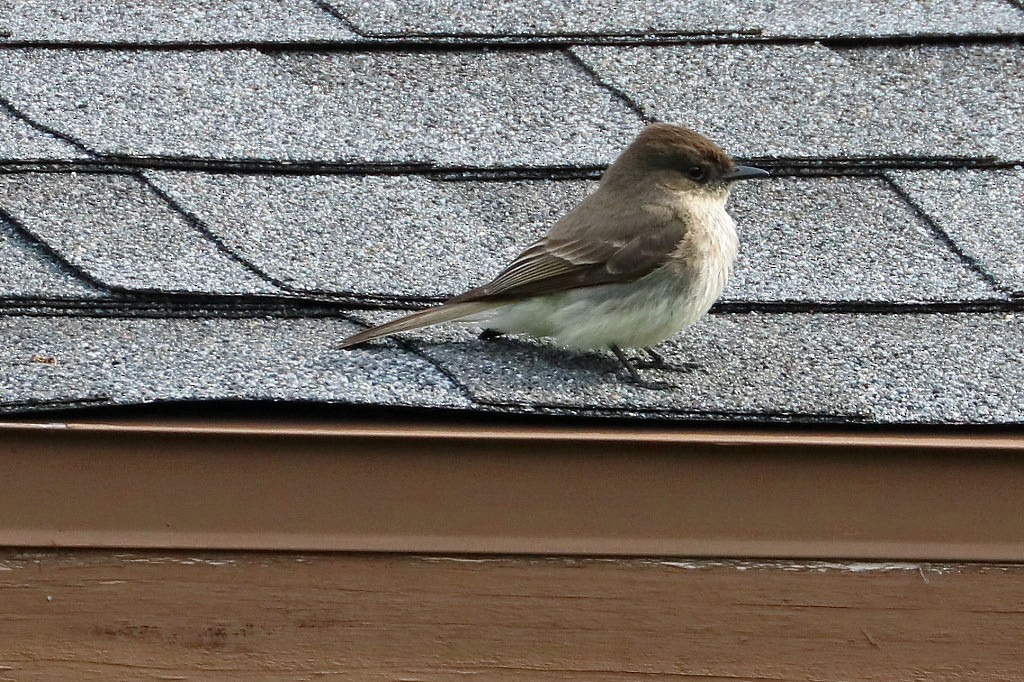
pixel 199 204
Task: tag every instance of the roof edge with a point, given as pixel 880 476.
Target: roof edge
pixel 928 438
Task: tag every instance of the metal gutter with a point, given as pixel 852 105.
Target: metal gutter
pixel 408 486
pixel 938 439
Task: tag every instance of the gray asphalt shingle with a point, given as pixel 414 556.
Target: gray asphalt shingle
pixel 981 211
pixel 841 239
pixel 809 100
pixel 779 18
pixel 874 368
pixel 163 21
pixel 926 368
pixel 127 361
pixel 392 236
pixel 114 229
pixel 880 295
pixel 532 109
pixel 823 239
pixel 232 21
pixel 782 17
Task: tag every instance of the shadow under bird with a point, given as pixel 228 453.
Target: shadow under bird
pixel 642 257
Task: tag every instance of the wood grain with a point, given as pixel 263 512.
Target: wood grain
pixel 260 616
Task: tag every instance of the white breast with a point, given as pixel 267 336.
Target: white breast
pixel 710 248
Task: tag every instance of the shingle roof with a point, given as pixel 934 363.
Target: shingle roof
pixel 199 204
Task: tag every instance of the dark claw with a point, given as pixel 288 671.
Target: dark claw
pixel 658 361
pixel 490 334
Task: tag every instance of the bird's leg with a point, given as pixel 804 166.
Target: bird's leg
pixel 658 361
pixel 635 376
pixel 490 334
pixel 627 364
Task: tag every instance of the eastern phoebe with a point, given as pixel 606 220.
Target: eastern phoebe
pixel 635 262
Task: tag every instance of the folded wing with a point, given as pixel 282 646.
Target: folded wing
pixel 552 265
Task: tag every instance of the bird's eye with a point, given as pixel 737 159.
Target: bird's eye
pixel 696 173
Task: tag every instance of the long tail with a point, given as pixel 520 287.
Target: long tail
pixel 422 318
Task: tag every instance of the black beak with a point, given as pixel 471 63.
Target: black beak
pixel 745 173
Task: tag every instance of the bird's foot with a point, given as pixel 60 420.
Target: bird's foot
pixel 635 376
pixel 658 361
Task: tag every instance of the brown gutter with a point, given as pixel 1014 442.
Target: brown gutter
pixel 513 489
pixel 950 439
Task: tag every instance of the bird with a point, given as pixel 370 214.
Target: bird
pixel 642 257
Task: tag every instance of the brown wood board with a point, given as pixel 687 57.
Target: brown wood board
pixel 101 615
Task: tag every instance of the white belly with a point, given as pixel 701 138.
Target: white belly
pixel 638 314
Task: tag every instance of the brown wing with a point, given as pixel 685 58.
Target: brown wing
pixel 552 265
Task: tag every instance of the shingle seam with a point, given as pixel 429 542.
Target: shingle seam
pixel 118 163
pixel 97 166
pixel 541 43
pixel 155 303
pixel 479 408
pixel 471 42
pixel 336 14
pixel 964 306
pixel 556 37
pixel 267 46
pixel 69 266
pixel 200 226
pixel 668 412
pixel 615 91
pixel 827 166
pixel 45 129
pixel 410 347
pixel 596 356
pixel 108 405
pixel 969 261
pixel 714 415
pixel 56 257
pixel 360 301
pixel 57 403
pixel 779 167
pixel 767 417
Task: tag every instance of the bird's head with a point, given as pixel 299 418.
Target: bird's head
pixel 681 160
